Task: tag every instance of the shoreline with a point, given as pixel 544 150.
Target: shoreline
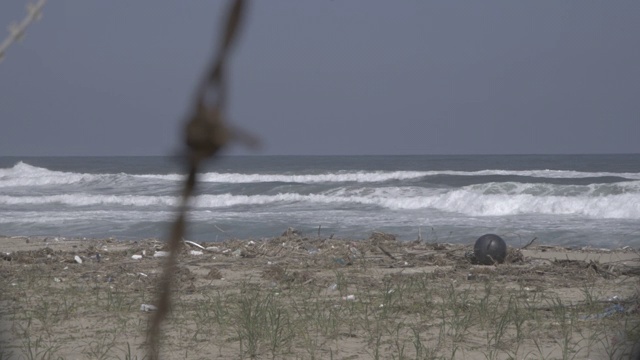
pixel 334 297
pixel 535 249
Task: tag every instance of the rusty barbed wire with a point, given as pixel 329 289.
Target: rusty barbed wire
pixel 17 31
pixel 206 133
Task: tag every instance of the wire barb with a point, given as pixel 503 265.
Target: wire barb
pixel 17 31
pixel 206 133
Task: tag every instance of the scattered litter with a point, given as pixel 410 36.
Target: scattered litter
pixel 143 274
pixel 355 252
pixel 161 254
pixel 471 277
pixel 237 253
pixel 136 257
pixel 147 307
pixel 77 259
pixel 213 248
pixel 193 244
pixel 313 251
pixel 349 298
pixel 614 298
pixel 251 242
pixel 611 310
pixel 195 252
pixel 66 268
pixel 98 257
pixel 57 279
pixel 340 261
pixel 333 287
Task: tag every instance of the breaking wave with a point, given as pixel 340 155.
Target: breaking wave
pixel 23 174
pixel 604 201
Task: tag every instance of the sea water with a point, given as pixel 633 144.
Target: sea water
pixel 570 200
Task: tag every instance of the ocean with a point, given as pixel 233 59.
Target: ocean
pixel 568 200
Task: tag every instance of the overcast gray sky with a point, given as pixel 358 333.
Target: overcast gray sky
pixel 329 77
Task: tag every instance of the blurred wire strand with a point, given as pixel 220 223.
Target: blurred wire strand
pixel 206 133
pixel 17 31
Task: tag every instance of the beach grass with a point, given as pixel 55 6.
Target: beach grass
pixel 276 299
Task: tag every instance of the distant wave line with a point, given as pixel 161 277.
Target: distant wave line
pixel 467 201
pixel 23 174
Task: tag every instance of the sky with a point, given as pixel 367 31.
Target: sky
pixel 328 77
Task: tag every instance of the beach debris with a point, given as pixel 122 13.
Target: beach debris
pixel 333 287
pixel 194 244
pixel 98 257
pixel 161 253
pixel 148 308
pixel 610 311
pixel 237 253
pixel 6 256
pixel 354 251
pixel 340 261
pixel 78 259
pixel 291 232
pixel 213 249
pixel 56 279
pixel 349 298
pixel 251 243
pixel 489 249
pixel 195 252
pixel 214 274
pixel 136 257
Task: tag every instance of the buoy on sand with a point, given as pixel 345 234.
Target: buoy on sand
pixel 490 249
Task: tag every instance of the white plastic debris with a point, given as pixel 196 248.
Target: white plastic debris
pixel 147 307
pixel 57 279
pixel 349 298
pixel 143 274
pixel 195 252
pixel 251 242
pixel 136 257
pixel 188 242
pixel 161 254
pixel 213 249
pixel 77 259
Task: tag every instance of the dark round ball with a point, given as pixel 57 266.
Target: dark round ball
pixel 490 249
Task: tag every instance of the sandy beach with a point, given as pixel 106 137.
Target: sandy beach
pixel 306 297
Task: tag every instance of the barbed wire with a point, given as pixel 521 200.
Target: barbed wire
pixel 17 31
pixel 206 133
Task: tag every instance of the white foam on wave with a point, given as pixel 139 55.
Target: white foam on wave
pixel 23 174
pixel 382 176
pixel 493 199
pixel 90 200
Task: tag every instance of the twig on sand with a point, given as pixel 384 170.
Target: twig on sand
pixel 528 244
